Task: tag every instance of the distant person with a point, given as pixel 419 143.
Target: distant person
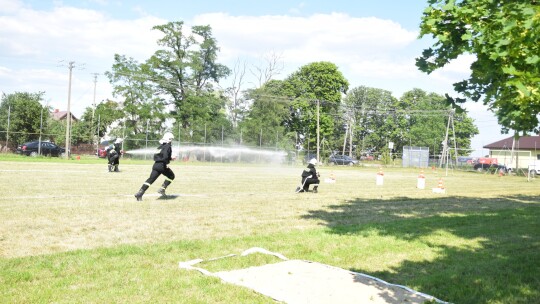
pixel 118 149
pixel 309 177
pixel 112 158
pixel 161 166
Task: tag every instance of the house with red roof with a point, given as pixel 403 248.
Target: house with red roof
pixel 62 115
pixel 516 153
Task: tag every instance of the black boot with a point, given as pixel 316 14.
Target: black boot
pixel 116 168
pixel 110 168
pixel 315 188
pixel 139 195
pixel 141 191
pixel 161 190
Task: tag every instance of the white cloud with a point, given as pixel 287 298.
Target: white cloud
pixel 74 32
pixel 10 6
pixel 333 36
pixel 368 51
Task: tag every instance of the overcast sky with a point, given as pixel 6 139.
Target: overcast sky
pixel 374 43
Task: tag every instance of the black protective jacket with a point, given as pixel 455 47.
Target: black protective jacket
pixel 309 172
pixel 164 154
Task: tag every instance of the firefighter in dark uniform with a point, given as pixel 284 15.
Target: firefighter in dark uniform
pixel 309 177
pixel 112 157
pixel 118 149
pixel 161 161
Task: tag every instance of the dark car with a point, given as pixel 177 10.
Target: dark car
pixel 492 168
pixel 31 148
pixel 338 159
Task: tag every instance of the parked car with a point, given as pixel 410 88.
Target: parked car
pixel 534 168
pixel 338 159
pixel 102 152
pixel 491 167
pixel 31 148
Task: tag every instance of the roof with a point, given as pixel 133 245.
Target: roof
pixel 524 142
pixel 60 115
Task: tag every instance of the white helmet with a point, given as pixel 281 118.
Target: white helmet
pixel 118 140
pixel 167 137
pixel 313 161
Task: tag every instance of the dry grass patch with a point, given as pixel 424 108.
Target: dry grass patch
pixel 55 207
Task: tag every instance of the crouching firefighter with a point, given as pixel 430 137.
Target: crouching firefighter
pixel 309 177
pixel 112 158
pixel 161 166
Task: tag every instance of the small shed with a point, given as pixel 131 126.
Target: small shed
pixel 415 157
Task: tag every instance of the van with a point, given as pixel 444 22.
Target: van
pixel 534 168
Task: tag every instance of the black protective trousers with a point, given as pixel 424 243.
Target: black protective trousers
pixel 157 170
pixel 309 181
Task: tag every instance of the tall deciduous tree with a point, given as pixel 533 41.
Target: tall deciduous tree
pixel 426 124
pixel 236 103
pixel 318 82
pixel 373 111
pixel 505 37
pixel 143 109
pixel 105 115
pixel 187 66
pixel 265 122
pixel 25 111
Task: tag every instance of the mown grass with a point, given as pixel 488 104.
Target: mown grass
pixel 71 232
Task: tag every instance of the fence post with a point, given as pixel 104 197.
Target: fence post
pixel 146 145
pixel 7 133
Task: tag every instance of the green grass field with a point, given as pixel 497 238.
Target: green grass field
pixel 71 232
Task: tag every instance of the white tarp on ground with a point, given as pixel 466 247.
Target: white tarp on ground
pixel 298 281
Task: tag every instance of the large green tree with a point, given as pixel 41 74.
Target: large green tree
pixel 427 121
pixel 373 111
pixel 317 83
pixel 101 119
pixel 143 108
pixel 179 78
pixel 22 110
pixel 265 121
pixel 186 66
pixel 418 118
pixel 505 38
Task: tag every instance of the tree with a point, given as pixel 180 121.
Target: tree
pixel 273 65
pixel 418 118
pixel 373 110
pixel 142 107
pixel 505 37
pixel 236 103
pixel 25 112
pixel 185 67
pixel 180 77
pixel 267 116
pixel 427 122
pixel 318 82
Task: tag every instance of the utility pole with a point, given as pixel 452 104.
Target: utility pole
pixel 318 131
pixel 94 102
pixel 97 132
pixel 445 157
pixel 94 110
pixel 68 116
pixel 7 133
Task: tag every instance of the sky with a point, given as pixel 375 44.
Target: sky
pixel 373 43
